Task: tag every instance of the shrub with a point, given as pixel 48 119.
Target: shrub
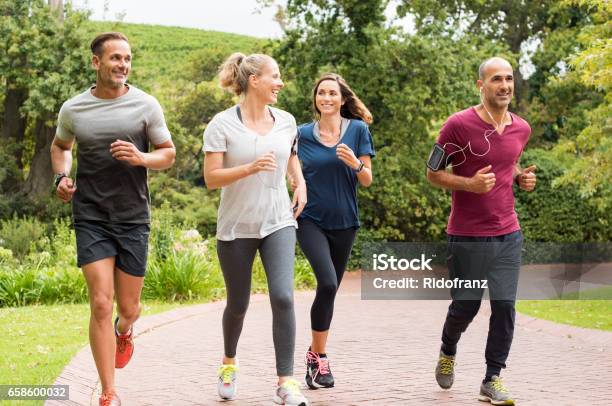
pixel 183 204
pixel 183 276
pixel 41 284
pixel 558 214
pixel 23 235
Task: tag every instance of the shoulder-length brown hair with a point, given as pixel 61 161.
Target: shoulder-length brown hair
pixel 353 107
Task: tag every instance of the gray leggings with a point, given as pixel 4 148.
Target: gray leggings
pixel 236 257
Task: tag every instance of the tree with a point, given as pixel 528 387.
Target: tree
pixel 43 62
pixel 57 7
pixel 12 64
pixel 588 153
pixel 510 22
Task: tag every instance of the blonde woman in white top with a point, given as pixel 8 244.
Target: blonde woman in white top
pixel 249 150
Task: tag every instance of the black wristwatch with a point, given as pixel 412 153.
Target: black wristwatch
pixel 58 178
pixel 361 164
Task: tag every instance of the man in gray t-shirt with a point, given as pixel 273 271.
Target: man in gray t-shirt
pixel 113 124
pixel 110 189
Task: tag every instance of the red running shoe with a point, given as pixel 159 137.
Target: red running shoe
pixel 125 347
pixel 109 399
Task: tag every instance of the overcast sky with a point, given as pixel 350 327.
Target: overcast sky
pixel 220 15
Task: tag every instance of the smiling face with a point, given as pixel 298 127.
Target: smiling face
pixel 328 98
pixel 497 84
pixel 114 65
pixel 267 84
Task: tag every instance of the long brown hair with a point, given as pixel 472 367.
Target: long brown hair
pixel 353 107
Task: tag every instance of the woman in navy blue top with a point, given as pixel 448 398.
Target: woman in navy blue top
pixel 335 151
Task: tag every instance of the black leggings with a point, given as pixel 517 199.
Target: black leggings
pixel 328 252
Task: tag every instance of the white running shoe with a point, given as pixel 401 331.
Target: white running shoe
pixel 289 394
pixel 226 386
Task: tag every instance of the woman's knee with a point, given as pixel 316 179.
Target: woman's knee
pixel 237 308
pixel 282 301
pixel 327 290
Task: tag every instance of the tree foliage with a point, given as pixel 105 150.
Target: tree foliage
pixel 589 150
pixel 513 23
pixel 42 63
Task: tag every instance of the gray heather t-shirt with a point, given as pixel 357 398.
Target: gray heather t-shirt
pixel 258 205
pixel 110 190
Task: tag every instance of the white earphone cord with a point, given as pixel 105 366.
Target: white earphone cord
pixel 487 134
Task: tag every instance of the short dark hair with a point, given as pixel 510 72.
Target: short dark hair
pixel 97 45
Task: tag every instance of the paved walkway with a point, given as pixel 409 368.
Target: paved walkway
pixel 382 353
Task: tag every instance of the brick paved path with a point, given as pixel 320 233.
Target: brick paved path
pixel 381 352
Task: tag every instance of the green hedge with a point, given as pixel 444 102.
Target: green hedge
pixel 558 214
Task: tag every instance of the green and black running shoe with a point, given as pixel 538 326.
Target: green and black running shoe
pixel 445 370
pixel 495 392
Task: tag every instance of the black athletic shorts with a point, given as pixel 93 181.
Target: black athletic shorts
pixel 127 242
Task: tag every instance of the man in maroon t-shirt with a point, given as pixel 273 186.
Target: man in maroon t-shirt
pixel 483 145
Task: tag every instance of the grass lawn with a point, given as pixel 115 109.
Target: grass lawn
pixel 587 313
pixel 38 341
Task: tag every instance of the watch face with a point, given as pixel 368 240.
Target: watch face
pixel 58 178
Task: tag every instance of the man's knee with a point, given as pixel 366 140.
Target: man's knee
pixel 102 307
pixel 464 309
pixel 129 312
pixel 503 306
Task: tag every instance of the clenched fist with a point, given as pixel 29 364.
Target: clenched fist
pixel 65 189
pixel 482 182
pixel 527 178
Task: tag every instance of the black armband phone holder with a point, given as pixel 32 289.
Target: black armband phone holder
pixel 436 160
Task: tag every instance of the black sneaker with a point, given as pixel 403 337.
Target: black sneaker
pixel 318 374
